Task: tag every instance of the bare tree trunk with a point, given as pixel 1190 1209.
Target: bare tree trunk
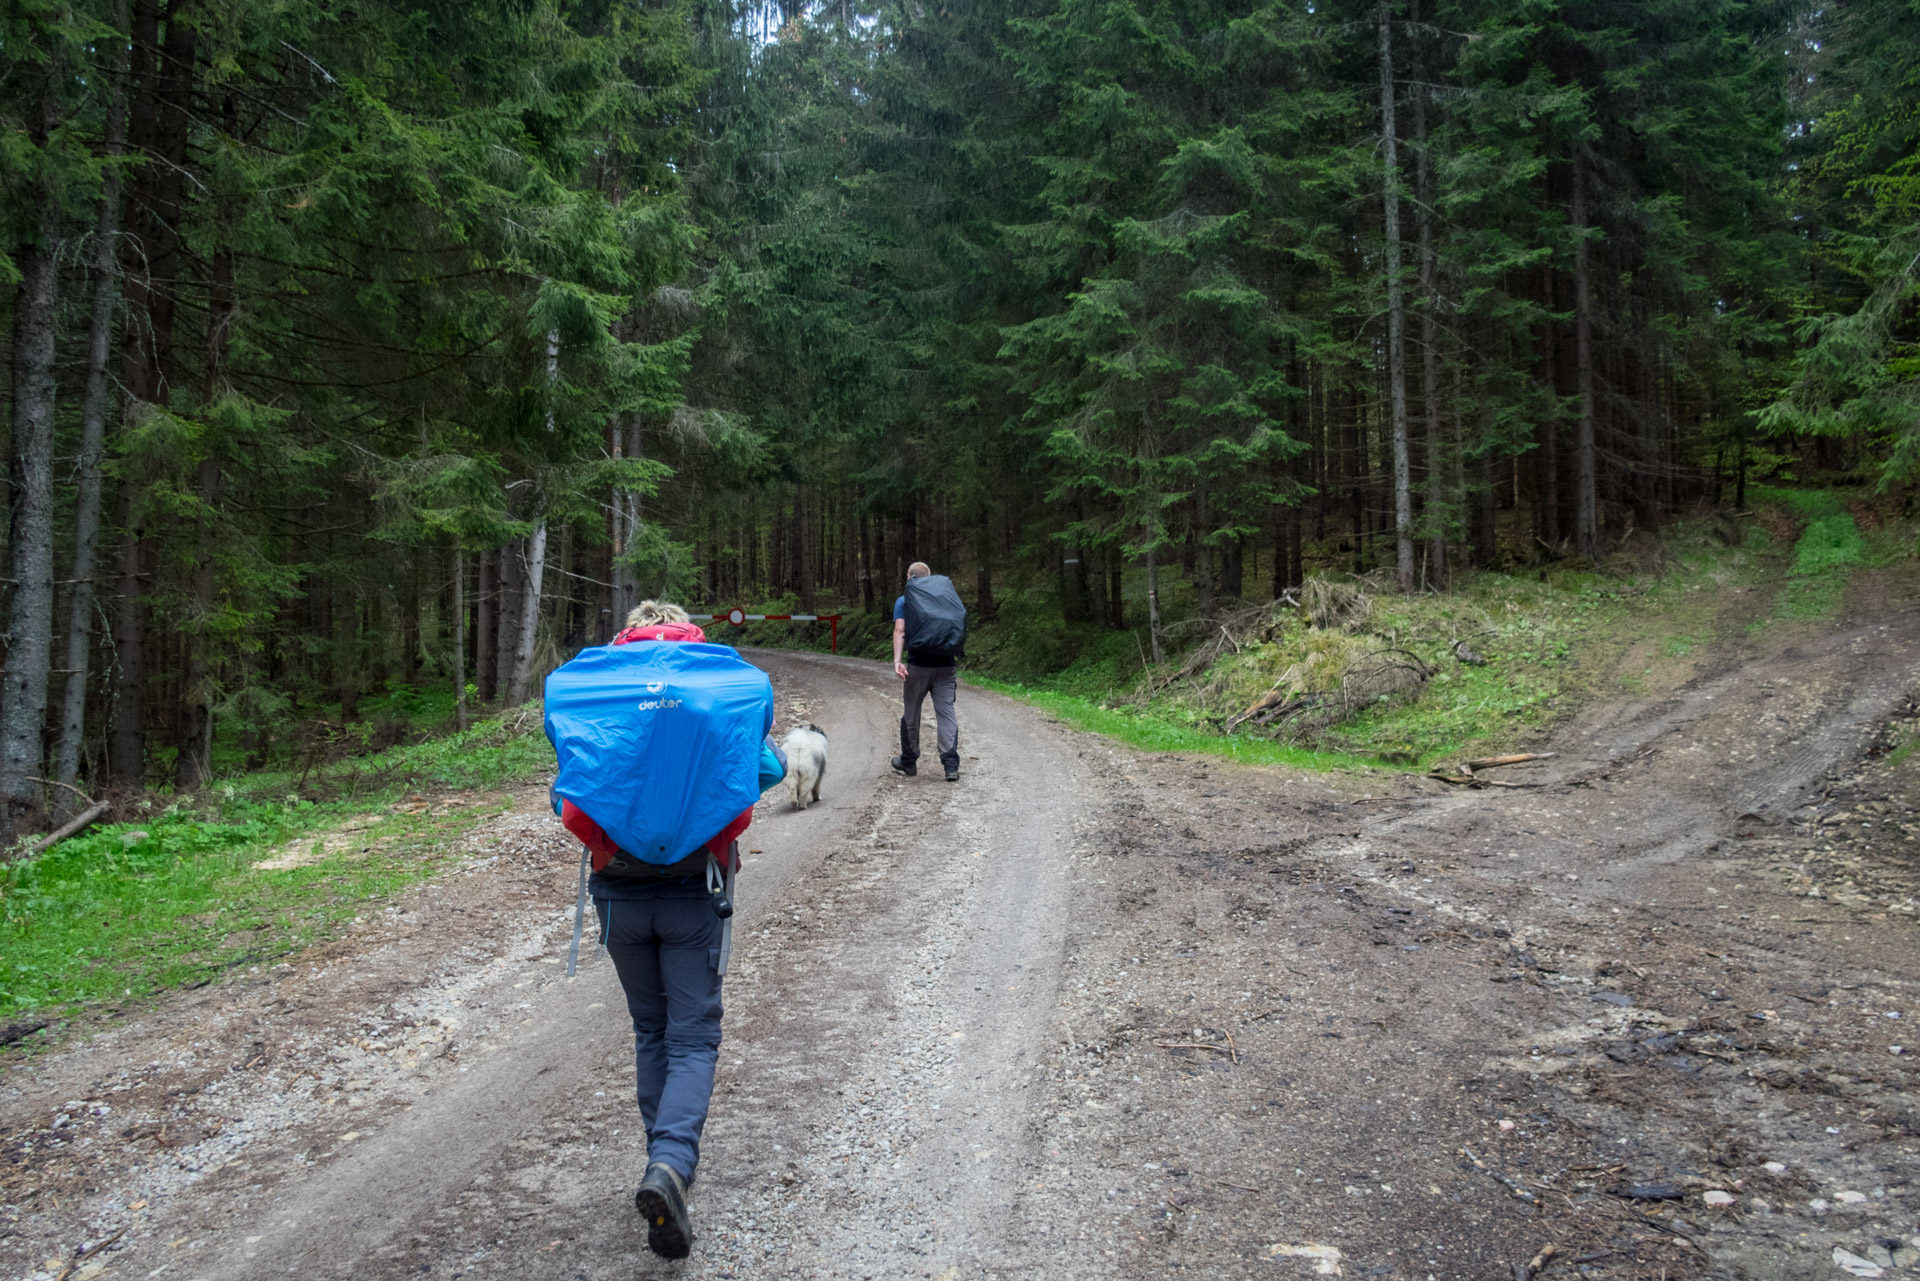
pixel 1439 504
pixel 93 432
pixel 1153 606
pixel 560 613
pixel 509 590
pixel 193 763
pixel 127 744
pixel 1095 565
pixel 1296 562
pixel 1076 599
pixel 160 82
pixel 529 615
pixel 459 637
pixel 346 655
pixel 1357 475
pixel 23 684
pixel 1204 583
pixel 866 561
pixel 1648 436
pixel 486 631
pixel 983 572
pixel 803 548
pixel 626 517
pixel 1396 313
pixel 195 740
pixel 1233 567
pixel 1586 531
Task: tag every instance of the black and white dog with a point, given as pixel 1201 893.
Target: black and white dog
pixel 806 749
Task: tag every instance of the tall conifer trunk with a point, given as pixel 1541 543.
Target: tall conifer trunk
pixel 1153 605
pixel 1439 508
pixel 1205 583
pixel 510 593
pixel 485 629
pixel 627 517
pixel 1547 465
pixel 1586 532
pixel 804 551
pixel 193 761
pixel 983 561
pixel 529 615
pixel 459 636
pixel 866 561
pixel 93 430
pixel 159 88
pixel 1396 313
pixel 23 683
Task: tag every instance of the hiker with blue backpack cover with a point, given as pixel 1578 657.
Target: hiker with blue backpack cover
pixel 663 749
pixel 929 639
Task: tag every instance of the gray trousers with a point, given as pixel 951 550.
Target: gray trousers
pixel 941 683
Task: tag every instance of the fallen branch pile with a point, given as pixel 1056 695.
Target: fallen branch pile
pixel 1375 675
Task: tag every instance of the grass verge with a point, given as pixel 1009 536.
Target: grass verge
pixel 1548 641
pixel 176 898
pixel 1152 733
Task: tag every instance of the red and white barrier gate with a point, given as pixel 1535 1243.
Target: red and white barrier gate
pixel 740 618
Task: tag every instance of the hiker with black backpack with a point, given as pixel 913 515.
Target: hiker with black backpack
pixel 663 745
pixel 929 639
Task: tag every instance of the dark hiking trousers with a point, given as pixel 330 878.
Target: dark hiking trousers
pixel 941 682
pixel 665 946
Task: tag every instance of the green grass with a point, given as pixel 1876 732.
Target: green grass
pixel 1830 547
pixel 1552 640
pixel 1460 705
pixel 128 909
pixel 1902 752
pixel 490 754
pixel 1156 734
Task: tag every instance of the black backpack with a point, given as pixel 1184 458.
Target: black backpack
pixel 936 620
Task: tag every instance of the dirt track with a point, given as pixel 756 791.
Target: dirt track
pixel 1090 1013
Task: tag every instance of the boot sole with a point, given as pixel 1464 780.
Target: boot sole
pixel 665 1237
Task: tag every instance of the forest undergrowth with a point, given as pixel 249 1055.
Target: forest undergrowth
pixel 1352 673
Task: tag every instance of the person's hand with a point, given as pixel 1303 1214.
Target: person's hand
pixel 900 670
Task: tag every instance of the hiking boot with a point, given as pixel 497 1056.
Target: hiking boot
pixel 953 773
pixel 662 1201
pixel 901 765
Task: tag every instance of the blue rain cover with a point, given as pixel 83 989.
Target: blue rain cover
pixel 659 741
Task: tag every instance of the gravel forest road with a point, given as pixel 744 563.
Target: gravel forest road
pixel 1098 1013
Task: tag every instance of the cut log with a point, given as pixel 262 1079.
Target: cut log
pixel 1273 698
pixel 61 833
pixel 1518 758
